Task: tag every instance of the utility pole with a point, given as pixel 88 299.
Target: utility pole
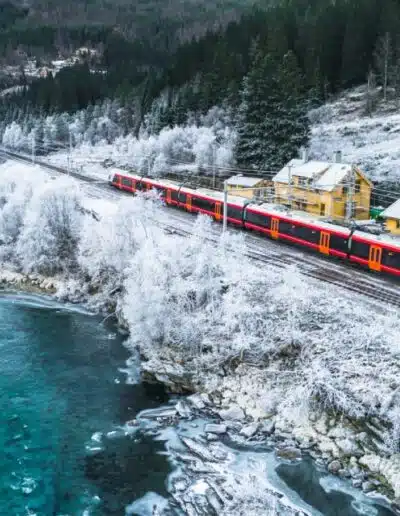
pixel 290 185
pixel 350 194
pixel 69 152
pixel 33 146
pixel 225 212
pixel 214 149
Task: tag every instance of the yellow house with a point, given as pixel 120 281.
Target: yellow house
pixel 249 187
pixel 392 216
pixel 331 189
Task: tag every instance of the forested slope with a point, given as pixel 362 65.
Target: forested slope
pixel 164 64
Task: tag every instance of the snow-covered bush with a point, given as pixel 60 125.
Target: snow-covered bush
pixel 16 190
pixel 108 246
pixel 51 230
pixel 15 137
pixel 174 290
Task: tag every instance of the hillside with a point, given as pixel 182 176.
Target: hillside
pixel 370 140
pixel 55 25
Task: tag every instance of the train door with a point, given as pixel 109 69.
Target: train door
pixel 189 202
pixel 133 185
pixel 324 241
pixel 375 258
pixel 168 196
pixel 274 227
pixel 148 186
pixel 217 211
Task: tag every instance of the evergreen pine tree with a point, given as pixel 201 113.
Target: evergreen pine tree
pixel 272 121
pixel 256 96
pixel 293 124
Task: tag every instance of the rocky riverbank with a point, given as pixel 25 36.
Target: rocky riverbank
pixel 33 283
pixel 350 448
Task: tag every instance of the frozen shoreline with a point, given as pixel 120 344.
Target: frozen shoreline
pixel 349 449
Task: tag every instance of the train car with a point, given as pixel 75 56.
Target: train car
pixel 210 202
pixel 322 237
pixel 377 252
pixel 134 183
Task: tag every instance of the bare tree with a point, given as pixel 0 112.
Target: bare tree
pixel 383 56
pixel 371 93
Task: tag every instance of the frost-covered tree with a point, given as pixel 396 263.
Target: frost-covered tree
pixel 175 296
pixel 108 245
pixel 50 234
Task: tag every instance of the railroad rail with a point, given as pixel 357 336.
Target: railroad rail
pixel 364 283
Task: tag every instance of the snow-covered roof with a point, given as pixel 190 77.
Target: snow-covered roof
pixel 325 175
pixel 393 212
pixel 245 181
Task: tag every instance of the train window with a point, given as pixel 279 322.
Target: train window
pixel 286 227
pixel 360 249
pixel 174 195
pixel 391 259
pixel 140 185
pixel 339 243
pixel 308 234
pixel 115 178
pixel 235 213
pixel 203 204
pixel 257 218
pixel 182 197
pixel 127 182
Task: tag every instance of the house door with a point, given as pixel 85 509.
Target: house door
pixel 322 209
pixel 217 211
pixel 189 202
pixel 375 258
pixel 274 227
pixel 324 242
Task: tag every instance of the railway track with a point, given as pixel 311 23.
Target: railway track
pixel 263 250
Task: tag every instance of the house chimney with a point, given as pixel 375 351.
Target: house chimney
pixel 304 155
pixel 338 156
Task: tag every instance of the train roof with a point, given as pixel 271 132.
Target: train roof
pixel 384 238
pixel 299 216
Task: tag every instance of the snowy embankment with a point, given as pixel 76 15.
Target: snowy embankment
pixel 308 364
pixel 370 141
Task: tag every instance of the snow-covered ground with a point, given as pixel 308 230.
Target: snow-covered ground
pixel 267 343
pixel 372 142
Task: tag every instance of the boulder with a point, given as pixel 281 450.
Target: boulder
pixel 367 486
pixel 289 453
pixel 234 412
pixel 348 447
pixel 212 437
pixel 334 467
pixel 183 409
pixel 268 426
pixel 215 428
pixel 197 401
pixel 249 430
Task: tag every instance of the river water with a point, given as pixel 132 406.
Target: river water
pixel 61 384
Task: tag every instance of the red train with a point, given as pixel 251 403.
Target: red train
pixel 377 252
